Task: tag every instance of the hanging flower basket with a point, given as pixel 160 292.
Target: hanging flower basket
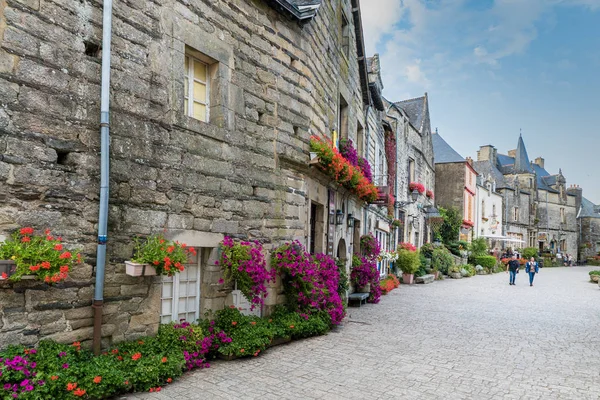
pixel 137 269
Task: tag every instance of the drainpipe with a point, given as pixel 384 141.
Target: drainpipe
pixel 104 181
pixel 365 210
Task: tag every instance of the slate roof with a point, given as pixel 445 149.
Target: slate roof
pixel 300 9
pixel 544 179
pixel 442 152
pixel 485 168
pixel 588 209
pixel 521 158
pixel 415 109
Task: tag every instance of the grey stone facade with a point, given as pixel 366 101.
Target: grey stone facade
pixel 538 209
pixel 273 82
pixel 588 218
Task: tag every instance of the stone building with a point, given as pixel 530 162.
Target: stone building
pixel 538 210
pixel 489 213
pixel 455 184
pixel 212 108
pixel 588 219
pixel 410 121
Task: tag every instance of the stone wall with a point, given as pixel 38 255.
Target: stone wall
pixel 590 237
pixel 273 83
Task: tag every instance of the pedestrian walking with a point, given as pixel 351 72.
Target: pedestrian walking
pixel 513 267
pixel 532 268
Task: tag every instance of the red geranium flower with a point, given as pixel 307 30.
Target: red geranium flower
pixel 27 231
pixel 136 356
pixel 58 247
pixel 26 239
pixel 71 386
pixel 97 379
pixel 65 255
pixel 45 265
pixel 79 392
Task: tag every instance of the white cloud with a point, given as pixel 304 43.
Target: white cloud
pixel 379 18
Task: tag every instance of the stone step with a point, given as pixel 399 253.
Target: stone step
pixel 425 279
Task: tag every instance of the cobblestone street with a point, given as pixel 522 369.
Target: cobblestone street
pixel 476 338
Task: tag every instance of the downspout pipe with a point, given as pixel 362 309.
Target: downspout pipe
pixel 104 175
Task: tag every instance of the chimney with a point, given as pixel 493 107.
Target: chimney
pixel 470 161
pixel 575 190
pixel 539 161
pixel 512 153
pixel 487 152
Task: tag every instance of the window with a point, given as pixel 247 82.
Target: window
pixel 516 214
pixel 470 178
pixel 382 265
pixel 563 218
pixel 494 210
pixel 483 208
pixel 381 173
pixel 531 182
pixel 180 294
pixel 532 239
pixel 343 119
pixel 411 170
pixel 470 209
pixel 345 36
pixel 196 90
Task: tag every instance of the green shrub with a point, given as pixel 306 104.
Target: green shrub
pixel 470 269
pixel 529 252
pixel 427 250
pixel 486 261
pixel 595 272
pixel 478 247
pixel 593 262
pixel 442 260
pixel 408 261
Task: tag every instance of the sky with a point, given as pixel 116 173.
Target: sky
pixel 494 68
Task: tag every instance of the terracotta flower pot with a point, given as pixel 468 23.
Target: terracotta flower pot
pixel 136 269
pixel 408 279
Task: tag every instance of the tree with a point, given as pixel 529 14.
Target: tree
pixel 451 226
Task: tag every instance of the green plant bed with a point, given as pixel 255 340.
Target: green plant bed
pixel 147 364
pixel 593 262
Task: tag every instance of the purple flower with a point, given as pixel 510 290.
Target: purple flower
pixel 7 386
pixel 65 366
pixel 62 354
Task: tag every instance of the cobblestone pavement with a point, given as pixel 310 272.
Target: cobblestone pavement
pixel 475 338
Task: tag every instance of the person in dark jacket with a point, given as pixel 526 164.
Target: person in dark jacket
pixel 513 267
pixel 532 268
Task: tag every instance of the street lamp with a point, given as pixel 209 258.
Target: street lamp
pixel 414 196
pixel 339 217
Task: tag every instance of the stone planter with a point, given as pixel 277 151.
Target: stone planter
pixel 408 279
pixel 595 278
pixel 364 289
pixel 7 267
pixel 436 274
pixel 135 269
pixel 456 275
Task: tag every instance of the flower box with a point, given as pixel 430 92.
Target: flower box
pixel 136 269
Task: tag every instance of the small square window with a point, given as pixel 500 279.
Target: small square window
pixel 196 88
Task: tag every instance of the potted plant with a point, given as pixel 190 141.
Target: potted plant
pixel 419 187
pixel 429 194
pixel 408 262
pixel 42 257
pixel 595 276
pixel 362 274
pixel 158 256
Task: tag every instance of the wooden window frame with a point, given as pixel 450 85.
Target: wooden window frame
pixel 191 79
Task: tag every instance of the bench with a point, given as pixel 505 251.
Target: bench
pixel 361 297
pixel 425 279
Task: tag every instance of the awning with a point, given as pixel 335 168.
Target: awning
pixel 503 238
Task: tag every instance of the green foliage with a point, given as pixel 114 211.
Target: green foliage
pixel 442 260
pixel 457 246
pixel 427 250
pixel 450 228
pixel 592 261
pixel 486 261
pixel 408 261
pixel 166 256
pixel 470 269
pixel 344 282
pixel 478 247
pixel 595 272
pixel 529 252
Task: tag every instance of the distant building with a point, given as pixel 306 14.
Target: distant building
pixel 489 221
pixel 455 183
pixel 538 210
pixel 588 219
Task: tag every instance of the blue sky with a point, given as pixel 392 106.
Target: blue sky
pixel 493 67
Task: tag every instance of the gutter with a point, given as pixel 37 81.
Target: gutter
pixel 98 303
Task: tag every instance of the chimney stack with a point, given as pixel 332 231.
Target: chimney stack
pixel 470 161
pixel 575 190
pixel 487 152
pixel 512 153
pixel 539 161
